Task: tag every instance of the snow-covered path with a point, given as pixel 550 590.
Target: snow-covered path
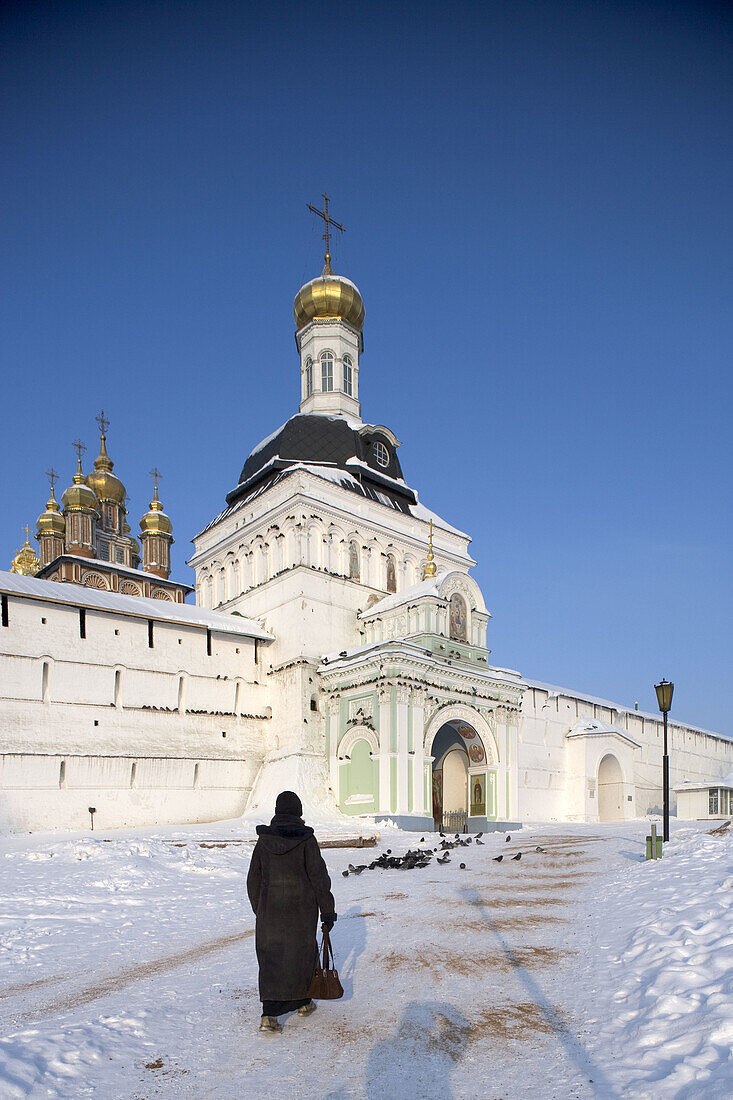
pixel 127 971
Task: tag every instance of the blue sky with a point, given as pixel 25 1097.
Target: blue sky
pixel 537 203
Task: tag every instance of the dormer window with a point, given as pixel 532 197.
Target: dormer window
pixel 348 376
pixel 308 376
pixel 326 372
pixel 380 452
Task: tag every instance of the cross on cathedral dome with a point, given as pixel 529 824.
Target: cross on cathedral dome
pixel 106 486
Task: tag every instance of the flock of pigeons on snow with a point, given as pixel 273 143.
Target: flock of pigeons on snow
pixel 421 857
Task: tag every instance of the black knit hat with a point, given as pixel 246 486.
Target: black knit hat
pixel 289 803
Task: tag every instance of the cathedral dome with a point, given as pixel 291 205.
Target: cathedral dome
pixel 156 522
pixel 51 522
pixel 102 481
pixel 79 497
pixel 329 295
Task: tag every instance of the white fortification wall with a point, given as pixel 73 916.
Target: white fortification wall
pixel 565 735
pixel 158 714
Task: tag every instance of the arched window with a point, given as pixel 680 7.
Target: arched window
pixel 348 376
pixel 354 571
pixel 326 372
pixel 458 625
pixel 308 376
pixel 380 452
pixel 391 574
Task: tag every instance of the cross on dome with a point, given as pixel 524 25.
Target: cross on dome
pixel 103 422
pixel 327 221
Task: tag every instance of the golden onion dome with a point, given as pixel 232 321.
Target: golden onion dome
pixel 79 495
pixel 329 295
pixel 25 561
pixel 156 522
pixel 51 522
pixel 102 480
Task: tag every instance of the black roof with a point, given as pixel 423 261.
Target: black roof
pixel 329 441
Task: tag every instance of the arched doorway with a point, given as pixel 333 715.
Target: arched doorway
pixel 463 775
pixel 610 789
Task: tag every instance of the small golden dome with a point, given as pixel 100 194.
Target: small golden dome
pixel 329 295
pixel 79 495
pixel 104 483
pixel 25 561
pixel 51 522
pixel 156 522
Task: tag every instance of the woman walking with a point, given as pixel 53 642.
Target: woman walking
pixel 287 884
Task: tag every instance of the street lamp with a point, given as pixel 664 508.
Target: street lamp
pixel 664 698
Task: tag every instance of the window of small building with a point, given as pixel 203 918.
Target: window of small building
pixel 327 372
pixel 713 801
pixel 308 376
pixel 151 639
pixel 82 622
pixel 391 574
pixel 348 376
pixel 208 643
pixel 4 617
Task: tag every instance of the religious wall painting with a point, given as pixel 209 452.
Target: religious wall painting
pixel 478 795
pixel 466 732
pixel 476 754
pixel 458 618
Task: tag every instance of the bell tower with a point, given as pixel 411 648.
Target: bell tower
pixel 329 318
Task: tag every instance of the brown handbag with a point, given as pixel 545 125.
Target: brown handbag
pixel 325 984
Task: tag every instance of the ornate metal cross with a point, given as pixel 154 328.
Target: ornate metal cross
pixel 327 221
pixel 79 447
pixel 103 422
pixel 52 477
pixel 156 476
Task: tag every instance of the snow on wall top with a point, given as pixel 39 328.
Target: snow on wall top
pixel 553 690
pixel 78 595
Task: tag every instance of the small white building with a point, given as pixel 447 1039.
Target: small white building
pixel 705 801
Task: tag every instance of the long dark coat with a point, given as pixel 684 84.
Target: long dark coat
pixel 287 884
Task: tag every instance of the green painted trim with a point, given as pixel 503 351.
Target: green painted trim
pixel 393 784
pixel 393 720
pixel 491 808
pixel 410 736
pixel 410 766
pixel 508 796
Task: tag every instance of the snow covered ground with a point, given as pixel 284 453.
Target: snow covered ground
pixel 127 970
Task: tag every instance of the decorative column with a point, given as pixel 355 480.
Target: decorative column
pixel 418 749
pixel 385 734
pixel 334 711
pixel 403 698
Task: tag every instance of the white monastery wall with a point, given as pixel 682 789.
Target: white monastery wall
pixel 560 753
pixel 148 734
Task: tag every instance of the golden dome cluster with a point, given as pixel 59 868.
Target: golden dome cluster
pixel 329 295
pixel 79 496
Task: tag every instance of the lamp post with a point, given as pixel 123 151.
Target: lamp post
pixel 664 691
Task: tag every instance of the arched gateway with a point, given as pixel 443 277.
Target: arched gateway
pixel 464 756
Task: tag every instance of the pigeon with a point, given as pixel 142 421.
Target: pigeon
pixel 389 851
pixel 498 859
pixel 538 849
pixel 458 836
pixel 345 874
pixel 479 841
pixel 517 856
pixel 479 834
pixel 422 839
pixel 463 866
pixel 445 859
pixel 507 839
